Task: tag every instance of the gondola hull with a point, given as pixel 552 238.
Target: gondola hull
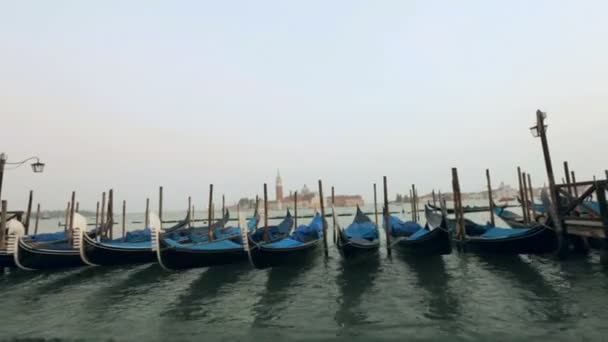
pixel 6 259
pixel 436 242
pixel 36 257
pixel 539 240
pixel 105 255
pixel 182 258
pixel 271 257
pixel 350 249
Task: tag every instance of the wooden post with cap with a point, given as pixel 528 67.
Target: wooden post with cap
pixel 333 203
pixel 387 222
pixel 321 204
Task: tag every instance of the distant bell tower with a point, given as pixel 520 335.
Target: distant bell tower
pixel 279 187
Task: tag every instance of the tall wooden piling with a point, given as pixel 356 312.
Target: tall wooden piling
pixel 555 211
pixel 102 218
pixel 71 228
pixel 434 199
pixel 531 190
pixel 124 218
pixel 67 218
pixel 414 213
pixel 458 208
pixel 223 205
pixel 490 197
pixel 29 212
pixel 189 216
pixel 412 206
pixel 3 225
pixel 97 216
pixel 524 205
pixel 210 214
pixel 333 212
pixel 526 199
pixel 295 209
pixel 160 206
pixel 387 221
pixel 567 173
pixel 375 205
pixel 603 205
pixel 574 187
pixel 266 236
pixel 77 206
pixel 147 218
pixel 321 203
pixel 110 232
pixel 192 212
pixel 37 219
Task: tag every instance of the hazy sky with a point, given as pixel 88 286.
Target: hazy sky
pixel 137 94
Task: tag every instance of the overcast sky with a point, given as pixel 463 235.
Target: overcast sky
pixel 137 94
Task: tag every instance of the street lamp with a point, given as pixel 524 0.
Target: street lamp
pixel 37 166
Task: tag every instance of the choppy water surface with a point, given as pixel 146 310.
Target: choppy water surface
pixel 456 297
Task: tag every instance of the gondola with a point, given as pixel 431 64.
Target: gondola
pixel 539 239
pixel 291 249
pixel 512 219
pixel 29 254
pixel 412 238
pixel 134 248
pixel 360 237
pixel 225 249
pixel 467 209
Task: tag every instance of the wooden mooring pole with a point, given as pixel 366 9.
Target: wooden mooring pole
pixel 3 226
pixel 458 209
pixel 72 207
pixel 387 221
pixel 526 199
pixel 375 205
pixel 124 218
pixel 160 206
pixel 574 187
pixel 29 212
pixel 333 203
pixel 67 218
pixel 321 203
pixel 524 208
pixel 567 173
pixel 102 217
pixel 601 199
pixel 266 237
pixel 490 198
pixel 37 219
pixel 295 209
pixel 147 218
pixel 110 232
pixel 434 199
pixel 190 212
pixel 531 190
pixel 540 131
pixel 210 213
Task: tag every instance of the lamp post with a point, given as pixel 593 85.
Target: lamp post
pixel 540 130
pixel 37 166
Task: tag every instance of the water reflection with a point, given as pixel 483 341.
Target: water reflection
pixel 355 278
pixel 206 289
pixel 433 278
pixel 542 298
pixel 277 295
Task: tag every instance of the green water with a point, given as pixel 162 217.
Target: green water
pixel 460 297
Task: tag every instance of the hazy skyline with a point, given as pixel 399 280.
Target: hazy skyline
pixel 133 95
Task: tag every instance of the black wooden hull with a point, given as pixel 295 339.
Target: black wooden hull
pixel 104 255
pixel 182 258
pixel 271 257
pixel 436 242
pixel 6 259
pixel 30 257
pixel 539 240
pixel 349 249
